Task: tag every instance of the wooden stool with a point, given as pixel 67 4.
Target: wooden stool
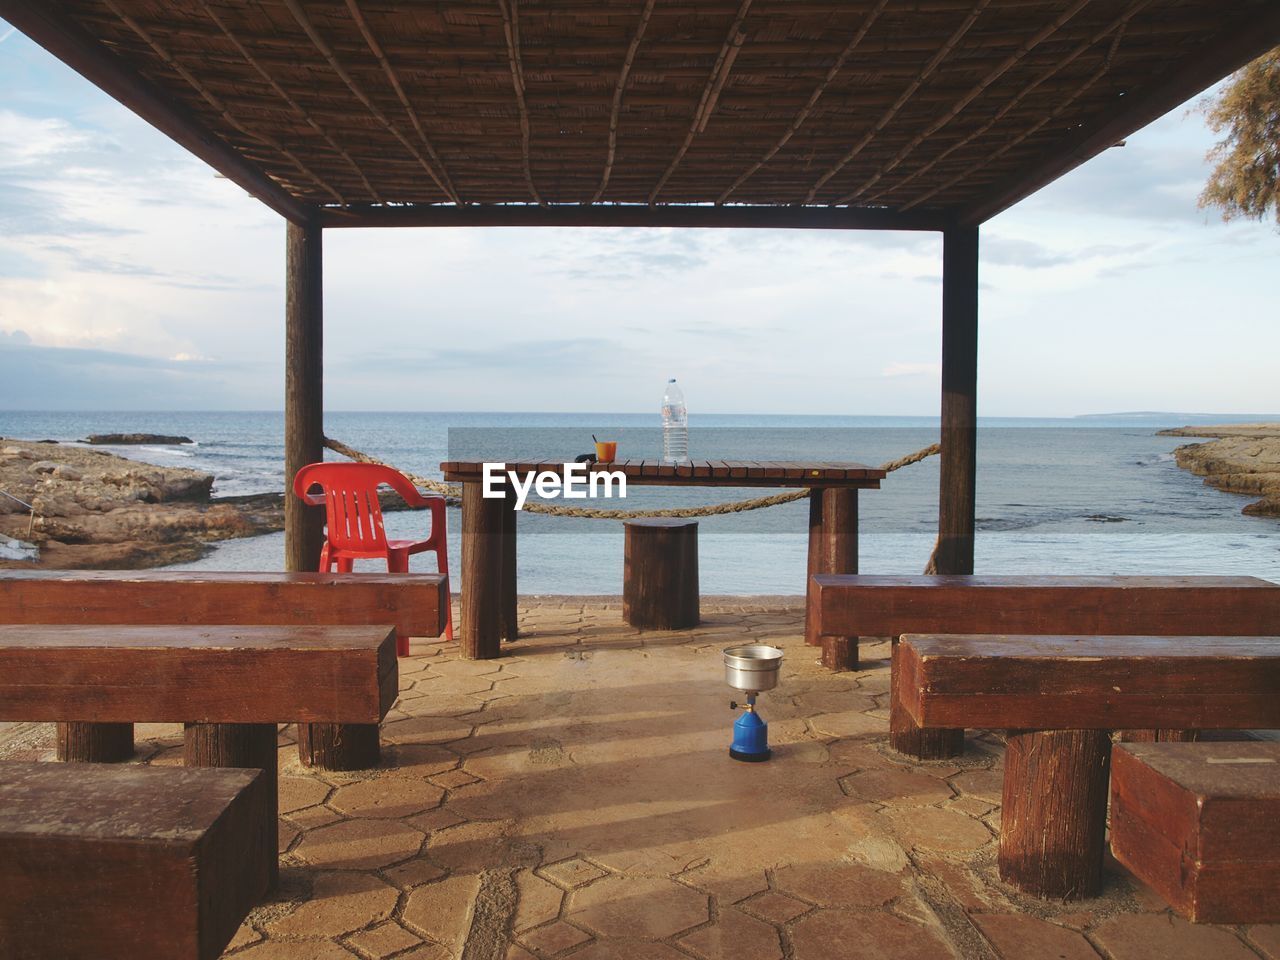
pixel 660 574
pixel 1199 823
pixel 117 862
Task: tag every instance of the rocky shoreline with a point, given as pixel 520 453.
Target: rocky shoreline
pixel 93 509
pixel 1237 458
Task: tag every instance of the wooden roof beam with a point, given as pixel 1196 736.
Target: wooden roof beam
pixel 323 48
pixel 632 215
pixel 93 61
pixel 943 52
pixel 293 105
pixel 710 93
pixel 1248 37
pixel 511 31
pixel 972 94
pixel 621 85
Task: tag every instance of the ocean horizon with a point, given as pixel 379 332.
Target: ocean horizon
pixel 1094 494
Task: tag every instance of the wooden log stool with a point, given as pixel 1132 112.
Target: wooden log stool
pixel 660 574
pixel 1199 823
pixel 120 862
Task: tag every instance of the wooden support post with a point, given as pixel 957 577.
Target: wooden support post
pixel 303 390
pixel 958 467
pixel 246 745
pixel 1053 816
pixel 956 493
pixel 482 591
pixel 660 574
pixel 510 597
pixel 95 742
pixel 811 636
pixel 304 444
pixel 833 548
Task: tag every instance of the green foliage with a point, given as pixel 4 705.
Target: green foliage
pixel 1246 179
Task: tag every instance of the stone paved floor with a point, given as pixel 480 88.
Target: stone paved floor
pixel 575 799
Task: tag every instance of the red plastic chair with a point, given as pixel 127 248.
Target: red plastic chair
pixel 353 519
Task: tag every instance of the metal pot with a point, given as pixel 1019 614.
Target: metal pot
pixel 752 668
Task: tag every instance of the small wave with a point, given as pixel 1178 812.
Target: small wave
pixel 1106 518
pixel 166 451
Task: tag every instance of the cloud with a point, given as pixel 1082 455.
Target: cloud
pixel 70 378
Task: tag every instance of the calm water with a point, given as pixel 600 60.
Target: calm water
pixel 1054 496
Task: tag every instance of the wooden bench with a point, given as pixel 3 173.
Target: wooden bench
pixel 1199 823
pixel 416 604
pixel 231 686
pixel 878 606
pixel 1059 698
pixel 116 863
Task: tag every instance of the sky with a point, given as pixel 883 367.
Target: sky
pixel 131 277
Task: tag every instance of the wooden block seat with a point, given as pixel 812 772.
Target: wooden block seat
pixel 231 686
pixel 1059 697
pixel 660 574
pixel 1199 823
pixel 122 862
pixel 880 606
pixel 416 604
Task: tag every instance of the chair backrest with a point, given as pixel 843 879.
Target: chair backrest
pixel 350 496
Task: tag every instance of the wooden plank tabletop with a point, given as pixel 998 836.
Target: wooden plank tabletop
pixel 1090 682
pixel 708 473
pixel 188 674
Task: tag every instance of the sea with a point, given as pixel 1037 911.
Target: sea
pixel 1086 495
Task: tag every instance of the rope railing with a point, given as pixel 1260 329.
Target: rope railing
pixel 453 492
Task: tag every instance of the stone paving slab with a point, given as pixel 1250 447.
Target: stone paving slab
pixel 575 799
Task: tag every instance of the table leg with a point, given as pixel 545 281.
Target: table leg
pixel 510 598
pixel 482 536
pixel 833 548
pixel 245 745
pixel 1053 814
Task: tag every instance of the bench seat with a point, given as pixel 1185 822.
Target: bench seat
pixel 416 604
pixel 877 606
pixel 116 863
pixel 1059 697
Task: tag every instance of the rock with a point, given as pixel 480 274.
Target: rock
pixel 123 439
pixel 98 510
pixel 1242 459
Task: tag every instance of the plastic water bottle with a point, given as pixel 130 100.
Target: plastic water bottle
pixel 675 425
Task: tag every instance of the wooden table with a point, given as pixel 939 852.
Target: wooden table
pixel 489 525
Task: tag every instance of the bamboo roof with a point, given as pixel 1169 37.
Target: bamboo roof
pixel 862 112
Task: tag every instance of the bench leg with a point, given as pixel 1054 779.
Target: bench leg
pixel 95 742
pixel 1053 820
pixel 339 746
pixel 244 745
pixel 1164 736
pixel 918 743
pixel 840 653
